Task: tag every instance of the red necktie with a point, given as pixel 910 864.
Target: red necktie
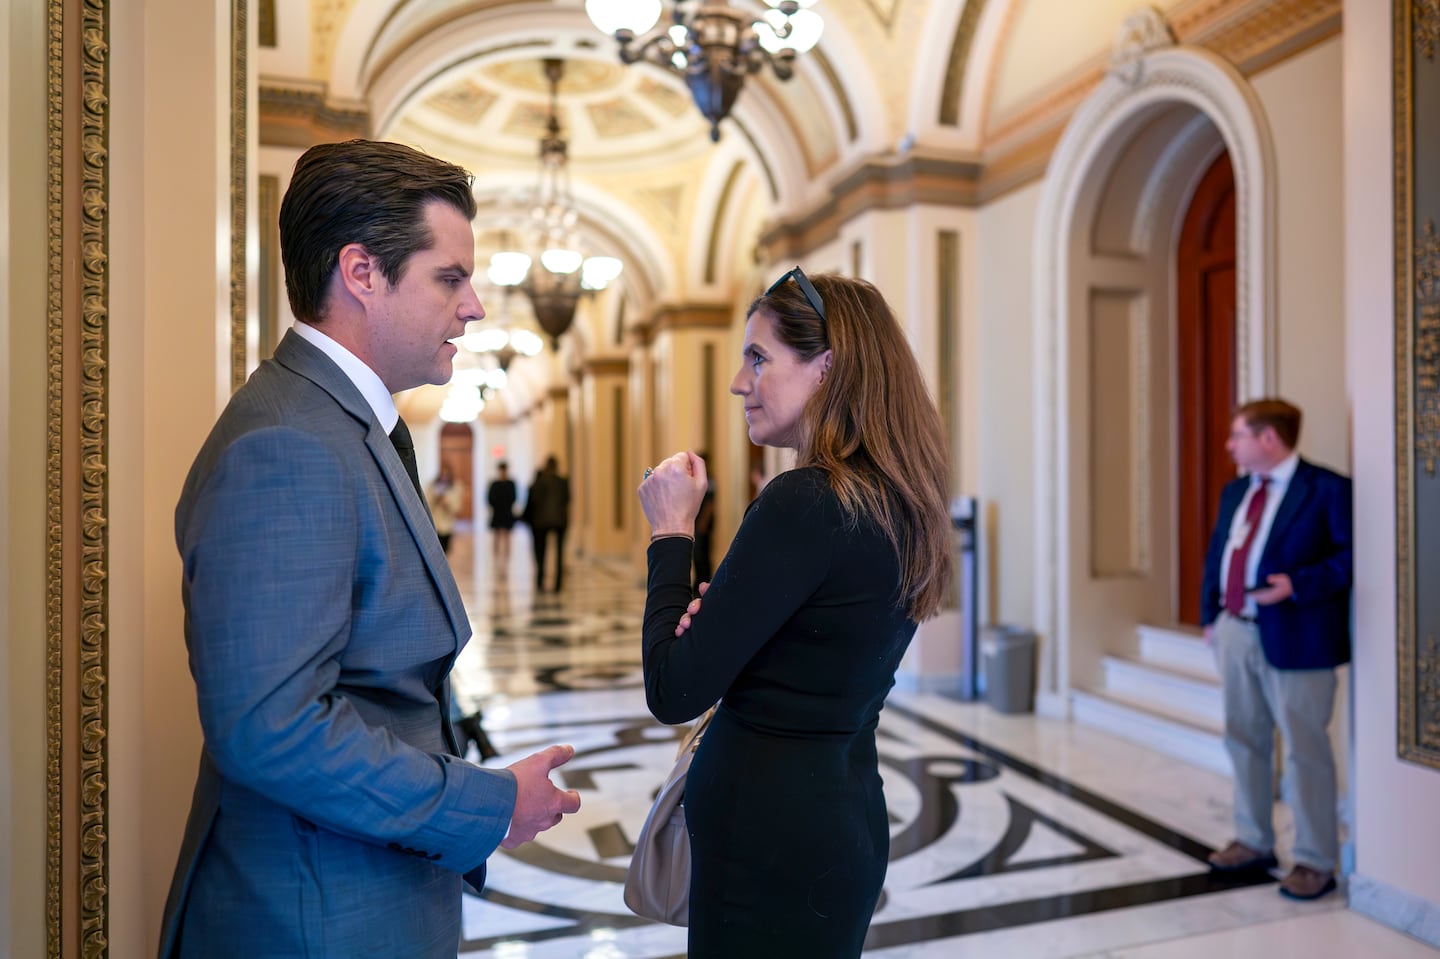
pixel 1235 578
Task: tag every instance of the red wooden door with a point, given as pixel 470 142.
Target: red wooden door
pixel 457 451
pixel 1205 351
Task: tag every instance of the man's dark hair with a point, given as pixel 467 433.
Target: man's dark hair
pixel 360 191
pixel 1277 414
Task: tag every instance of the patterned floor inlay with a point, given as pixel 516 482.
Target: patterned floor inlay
pixel 993 848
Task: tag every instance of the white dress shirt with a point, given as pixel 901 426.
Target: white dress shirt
pixel 365 379
pixel 1279 478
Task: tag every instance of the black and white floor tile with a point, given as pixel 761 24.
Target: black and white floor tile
pixel 1010 836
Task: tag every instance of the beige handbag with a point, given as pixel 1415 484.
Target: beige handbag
pixel 657 885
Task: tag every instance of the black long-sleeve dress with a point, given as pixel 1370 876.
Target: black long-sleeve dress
pixel 800 633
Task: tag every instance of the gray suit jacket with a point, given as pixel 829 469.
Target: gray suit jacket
pixel 331 816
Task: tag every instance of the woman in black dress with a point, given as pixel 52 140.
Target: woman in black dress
pixel 501 497
pixel 804 623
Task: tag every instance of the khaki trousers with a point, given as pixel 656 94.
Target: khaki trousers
pixel 1258 698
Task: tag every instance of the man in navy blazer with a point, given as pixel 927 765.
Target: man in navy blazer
pixel 332 815
pixel 1276 606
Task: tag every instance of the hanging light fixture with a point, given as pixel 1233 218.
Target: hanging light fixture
pixel 482 366
pixel 502 340
pixel 712 45
pixel 564 274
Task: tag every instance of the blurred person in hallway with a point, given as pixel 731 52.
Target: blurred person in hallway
pixel 547 510
pixel 1275 604
pixel 501 497
pixel 803 625
pixel 447 498
pixel 332 816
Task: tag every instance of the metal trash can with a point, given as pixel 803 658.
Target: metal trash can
pixel 1008 653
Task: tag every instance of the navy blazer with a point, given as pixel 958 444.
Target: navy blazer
pixel 1310 541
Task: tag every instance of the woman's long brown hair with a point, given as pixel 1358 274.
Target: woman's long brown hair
pixel 872 427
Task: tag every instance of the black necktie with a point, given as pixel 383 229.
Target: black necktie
pixel 405 446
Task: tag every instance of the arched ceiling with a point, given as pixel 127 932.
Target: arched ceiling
pixel 463 79
pixel 497 108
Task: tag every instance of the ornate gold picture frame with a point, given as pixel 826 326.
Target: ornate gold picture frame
pixel 239 192
pixel 77 496
pixel 1417 376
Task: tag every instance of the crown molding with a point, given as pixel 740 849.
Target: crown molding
pixel 607 366
pixel 299 113
pixel 692 316
pixel 878 183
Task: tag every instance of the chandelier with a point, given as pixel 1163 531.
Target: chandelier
pixel 483 363
pixel 565 275
pixel 712 45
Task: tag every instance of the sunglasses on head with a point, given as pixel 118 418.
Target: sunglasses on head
pixel 806 287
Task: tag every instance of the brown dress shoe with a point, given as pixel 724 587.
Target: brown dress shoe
pixel 1306 883
pixel 1238 857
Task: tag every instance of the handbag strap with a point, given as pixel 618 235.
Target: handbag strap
pixel 691 740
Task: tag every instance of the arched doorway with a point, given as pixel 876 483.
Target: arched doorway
pixel 1204 372
pixel 1106 453
pixel 457 452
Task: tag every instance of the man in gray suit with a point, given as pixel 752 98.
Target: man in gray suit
pixel 332 816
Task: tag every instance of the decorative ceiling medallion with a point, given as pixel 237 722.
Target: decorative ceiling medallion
pixel 527 120
pixel 1141 33
pixel 666 98
pixel 663 204
pixel 587 77
pixel 466 101
pixel 618 118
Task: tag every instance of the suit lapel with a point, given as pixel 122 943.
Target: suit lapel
pixel 422 527
pixel 1231 496
pixel 1295 496
pixel 304 359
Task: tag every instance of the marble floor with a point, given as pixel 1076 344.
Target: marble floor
pixel 1010 836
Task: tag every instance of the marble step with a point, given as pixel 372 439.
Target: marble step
pixel 1181 647
pixel 1166 731
pixel 1192 696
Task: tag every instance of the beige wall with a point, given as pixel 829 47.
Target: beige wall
pixel 606 533
pixel 22 479
pixel 679 357
pixel 1302 102
pixel 899 254
pixel 1005 391
pixel 169 374
pixel 1395 801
